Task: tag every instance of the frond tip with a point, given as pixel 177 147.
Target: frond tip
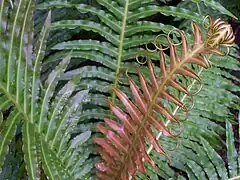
pixel 123 150
pixel 219 34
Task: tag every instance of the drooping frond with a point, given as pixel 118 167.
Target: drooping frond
pixel 123 150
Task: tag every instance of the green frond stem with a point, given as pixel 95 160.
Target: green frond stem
pixel 176 109
pixel 120 50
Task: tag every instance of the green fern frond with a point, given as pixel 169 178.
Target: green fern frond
pixel 217 6
pixel 231 151
pixel 26 100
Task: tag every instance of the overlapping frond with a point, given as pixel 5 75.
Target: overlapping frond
pixel 122 28
pixel 110 55
pixel 201 159
pixel 123 150
pixel 46 110
pixel 26 100
pixel 204 122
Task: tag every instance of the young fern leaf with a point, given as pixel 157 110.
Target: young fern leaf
pixel 123 150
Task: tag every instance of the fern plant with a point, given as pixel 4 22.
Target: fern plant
pixel 46 117
pixel 233 157
pixel 123 28
pixel 207 163
pixel 124 150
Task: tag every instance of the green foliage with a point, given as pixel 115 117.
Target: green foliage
pixel 46 121
pixel 123 30
pixel 102 39
pixel 206 163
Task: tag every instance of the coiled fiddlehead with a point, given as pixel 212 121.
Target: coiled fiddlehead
pixel 123 150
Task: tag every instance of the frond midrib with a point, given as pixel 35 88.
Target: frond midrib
pixel 18 106
pixel 150 107
pixel 120 49
pixel 175 110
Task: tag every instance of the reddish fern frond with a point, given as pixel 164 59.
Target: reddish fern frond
pixel 123 149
